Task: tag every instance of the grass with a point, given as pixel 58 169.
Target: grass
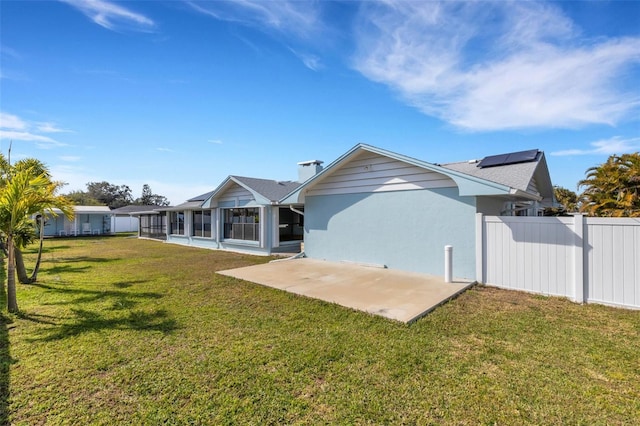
pixel 119 330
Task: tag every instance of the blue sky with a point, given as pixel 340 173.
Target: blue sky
pixel 181 94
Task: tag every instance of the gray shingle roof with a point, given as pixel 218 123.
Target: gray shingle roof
pixel 201 197
pixel 133 209
pixel 515 176
pixel 272 190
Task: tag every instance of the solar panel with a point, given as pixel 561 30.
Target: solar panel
pixel 509 158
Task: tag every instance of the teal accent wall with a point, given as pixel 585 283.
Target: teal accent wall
pixel 404 230
pixel 98 222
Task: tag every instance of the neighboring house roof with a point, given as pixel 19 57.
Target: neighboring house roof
pixel 91 209
pixel 146 212
pixel 188 205
pixel 87 210
pixel 469 181
pixel 201 197
pixel 264 191
pixel 518 176
pixel 127 210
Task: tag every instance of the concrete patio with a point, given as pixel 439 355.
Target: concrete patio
pixel 397 295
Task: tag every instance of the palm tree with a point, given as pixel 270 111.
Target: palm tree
pixel 61 203
pixel 567 198
pixel 24 193
pixel 613 188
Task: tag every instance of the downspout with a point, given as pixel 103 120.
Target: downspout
pixel 301 213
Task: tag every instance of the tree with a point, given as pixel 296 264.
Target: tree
pixel 82 198
pixel 23 193
pixel 613 188
pixel 148 198
pixel 567 198
pixel 111 195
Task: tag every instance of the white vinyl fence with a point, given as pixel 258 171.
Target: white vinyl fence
pixel 595 260
pixel 124 224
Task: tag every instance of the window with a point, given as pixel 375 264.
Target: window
pixel 291 224
pixel 176 223
pixel 202 223
pixel 242 224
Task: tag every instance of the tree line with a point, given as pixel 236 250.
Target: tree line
pixel 115 196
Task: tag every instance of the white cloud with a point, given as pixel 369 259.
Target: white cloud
pixel 614 145
pixel 164 149
pixel 111 16
pixel 51 128
pixel 485 66
pixel 215 141
pixel 309 60
pixel 40 140
pixel 300 18
pixel 10 121
pixel 297 19
pixel 13 127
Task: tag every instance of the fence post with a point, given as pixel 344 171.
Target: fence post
pixel 578 259
pixel 479 248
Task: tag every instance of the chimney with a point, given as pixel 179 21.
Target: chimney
pixel 308 169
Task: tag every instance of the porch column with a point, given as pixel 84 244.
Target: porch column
pixel 263 226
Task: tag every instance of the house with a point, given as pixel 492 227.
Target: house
pixel 88 220
pixel 242 214
pixel 377 207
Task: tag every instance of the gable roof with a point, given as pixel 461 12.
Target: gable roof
pixel 469 182
pixel 264 191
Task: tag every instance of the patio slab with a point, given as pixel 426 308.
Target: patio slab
pixel 398 295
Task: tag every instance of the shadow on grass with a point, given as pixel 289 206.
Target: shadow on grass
pixel 64 265
pixel 116 312
pixel 121 298
pixel 89 321
pixel 60 269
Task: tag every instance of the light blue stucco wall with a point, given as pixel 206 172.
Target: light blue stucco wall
pixel 404 230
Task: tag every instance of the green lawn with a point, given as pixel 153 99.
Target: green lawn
pixel 128 331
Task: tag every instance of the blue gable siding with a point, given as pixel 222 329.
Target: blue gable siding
pixel 401 229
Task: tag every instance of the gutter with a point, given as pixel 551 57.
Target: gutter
pixel 524 194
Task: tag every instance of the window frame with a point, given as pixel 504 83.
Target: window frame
pixel 177 220
pixel 202 229
pixel 233 231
